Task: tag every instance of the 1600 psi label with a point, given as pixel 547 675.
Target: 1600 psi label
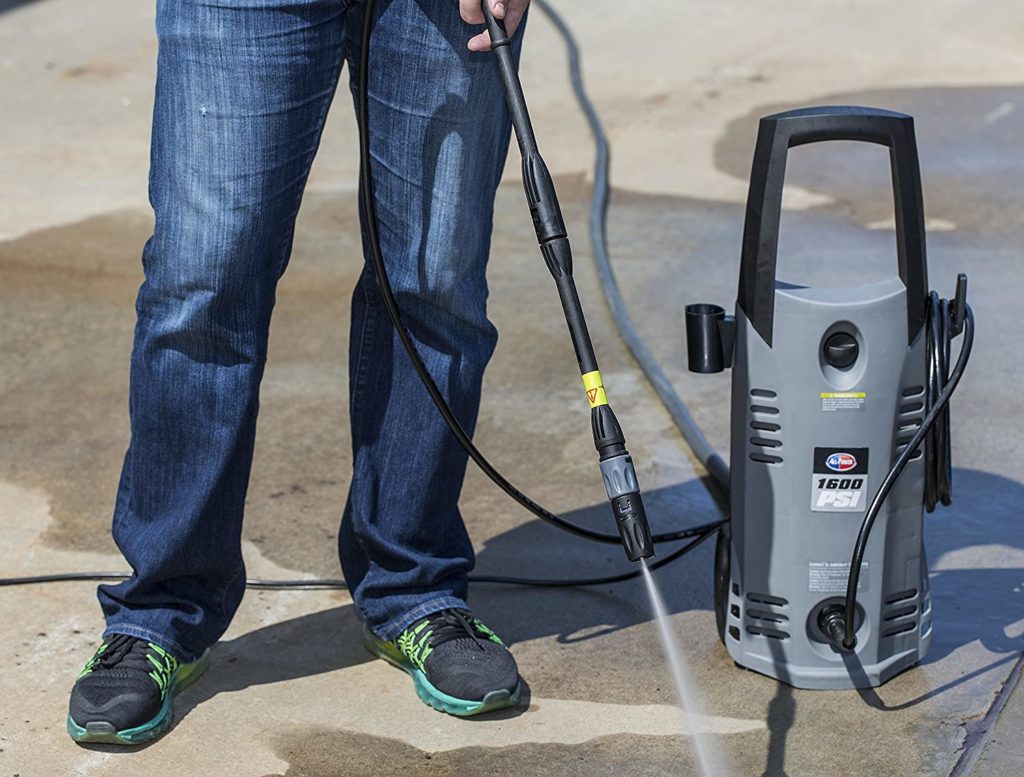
pixel 840 480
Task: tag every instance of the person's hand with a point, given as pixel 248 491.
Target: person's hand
pixel 510 10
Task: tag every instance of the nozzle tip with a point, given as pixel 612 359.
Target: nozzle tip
pixel 634 531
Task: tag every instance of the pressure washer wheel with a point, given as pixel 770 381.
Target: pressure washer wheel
pixel 722 556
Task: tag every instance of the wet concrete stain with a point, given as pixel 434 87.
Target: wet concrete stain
pixel 327 753
pixel 968 139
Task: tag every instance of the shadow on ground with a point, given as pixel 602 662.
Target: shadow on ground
pixel 971 605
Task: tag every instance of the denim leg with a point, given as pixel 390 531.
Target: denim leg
pixel 243 88
pixel 439 136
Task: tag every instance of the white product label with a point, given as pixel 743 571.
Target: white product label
pixel 830 577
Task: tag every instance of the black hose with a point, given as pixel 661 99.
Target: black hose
pixel 938 463
pixel 334 584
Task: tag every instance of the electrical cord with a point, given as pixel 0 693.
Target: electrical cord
pixel 938 483
pixel 944 322
pixel 598 234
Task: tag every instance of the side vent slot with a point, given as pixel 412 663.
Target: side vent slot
pixel 764 615
pixel 774 601
pixel 901 596
pixel 765 444
pixel 764 631
pixel 901 612
pixel 892 631
pixel 909 418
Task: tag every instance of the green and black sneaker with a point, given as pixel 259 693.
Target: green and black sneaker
pixel 458 665
pixel 123 695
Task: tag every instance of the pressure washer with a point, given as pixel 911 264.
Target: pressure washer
pixel 837 393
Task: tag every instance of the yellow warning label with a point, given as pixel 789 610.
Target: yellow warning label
pixel 594 388
pixel 842 400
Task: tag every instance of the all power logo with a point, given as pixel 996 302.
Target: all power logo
pixel 841 462
pixel 839 480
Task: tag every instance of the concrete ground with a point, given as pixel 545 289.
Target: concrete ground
pixel 680 85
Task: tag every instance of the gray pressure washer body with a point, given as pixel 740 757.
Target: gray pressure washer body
pixel 828 387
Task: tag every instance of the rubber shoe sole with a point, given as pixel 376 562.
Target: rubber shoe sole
pixel 103 733
pixel 440 701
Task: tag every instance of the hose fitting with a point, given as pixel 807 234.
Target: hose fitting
pixel 832 622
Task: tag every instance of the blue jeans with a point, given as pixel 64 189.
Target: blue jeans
pixel 243 88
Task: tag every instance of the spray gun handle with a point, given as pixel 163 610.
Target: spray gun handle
pixel 495 26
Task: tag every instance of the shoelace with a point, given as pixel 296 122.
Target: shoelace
pixel 124 652
pixel 449 625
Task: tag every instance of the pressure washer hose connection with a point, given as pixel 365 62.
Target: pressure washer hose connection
pixel 832 622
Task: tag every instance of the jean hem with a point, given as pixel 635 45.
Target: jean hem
pixel 168 644
pixel 390 630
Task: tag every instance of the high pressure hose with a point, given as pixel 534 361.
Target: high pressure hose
pixel 945 321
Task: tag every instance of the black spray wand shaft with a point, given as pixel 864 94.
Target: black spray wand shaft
pixel 617 469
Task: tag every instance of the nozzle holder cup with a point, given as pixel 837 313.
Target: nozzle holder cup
pixel 705 349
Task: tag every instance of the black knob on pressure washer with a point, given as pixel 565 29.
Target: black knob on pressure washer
pixel 841 350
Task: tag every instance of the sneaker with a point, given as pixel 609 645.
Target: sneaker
pixel 123 695
pixel 458 665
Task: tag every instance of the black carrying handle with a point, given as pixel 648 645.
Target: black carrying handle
pixel 780 132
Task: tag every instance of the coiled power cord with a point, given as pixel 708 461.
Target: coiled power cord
pixel 946 319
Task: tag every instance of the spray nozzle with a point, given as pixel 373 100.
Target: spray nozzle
pixel 627 505
pixel 634 531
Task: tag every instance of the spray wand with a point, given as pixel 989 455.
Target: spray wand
pixel 616 464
